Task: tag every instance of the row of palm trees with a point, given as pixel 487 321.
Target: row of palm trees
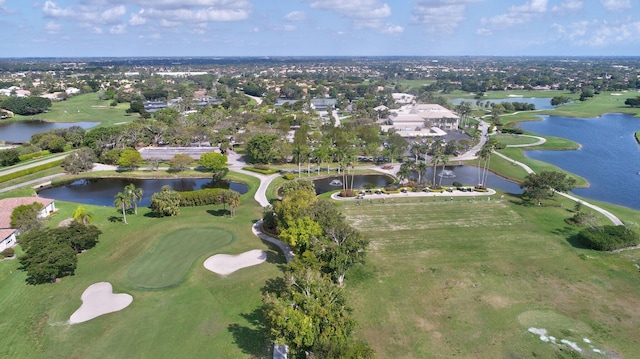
pixel 129 197
pixel 419 150
pixel 407 169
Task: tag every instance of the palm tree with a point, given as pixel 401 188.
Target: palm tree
pixel 416 149
pixel 487 149
pixel 405 171
pixel 421 168
pixel 135 195
pixel 435 160
pixel 234 201
pixel 123 201
pixel 443 158
pixel 80 215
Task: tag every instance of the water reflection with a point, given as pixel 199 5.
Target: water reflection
pixel 21 131
pixel 101 191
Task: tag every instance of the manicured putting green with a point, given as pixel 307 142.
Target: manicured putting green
pixel 167 262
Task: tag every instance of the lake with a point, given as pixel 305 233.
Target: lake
pixel 101 191
pixel 540 103
pixel 467 175
pixel 21 131
pixel 609 157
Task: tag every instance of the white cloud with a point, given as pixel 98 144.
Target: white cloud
pixel 616 5
pixel 181 4
pixel 165 13
pixel 114 14
pixel 516 15
pixel 52 27
pixel 568 6
pixel 286 27
pixel 118 29
pixel 392 29
pixel 85 14
pixel 365 14
pixel 137 19
pixel 188 16
pixel 441 16
pixel 296 16
pixel 52 9
pixel 598 33
pixel 357 9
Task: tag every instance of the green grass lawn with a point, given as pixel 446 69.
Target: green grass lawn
pixel 468 278
pixel 166 262
pixel 205 315
pixel 85 108
pixel 510 139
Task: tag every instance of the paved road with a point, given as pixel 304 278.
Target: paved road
pixel 18 167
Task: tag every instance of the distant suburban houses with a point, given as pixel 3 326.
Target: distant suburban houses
pixel 7 205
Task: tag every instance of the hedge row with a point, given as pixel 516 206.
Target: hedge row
pixel 607 238
pixel 28 171
pixel 268 171
pixel 201 197
pixel 33 155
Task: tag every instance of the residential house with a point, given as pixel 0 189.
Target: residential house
pixel 7 205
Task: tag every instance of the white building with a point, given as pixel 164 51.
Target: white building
pixel 7 205
pixel 425 120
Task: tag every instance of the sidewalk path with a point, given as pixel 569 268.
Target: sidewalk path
pixel 20 167
pixel 236 163
pixel 603 211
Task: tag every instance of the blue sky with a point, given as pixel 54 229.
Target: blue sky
pixel 64 28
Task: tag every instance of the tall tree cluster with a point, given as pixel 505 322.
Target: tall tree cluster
pixel 306 309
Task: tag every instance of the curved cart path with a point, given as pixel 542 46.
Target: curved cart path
pixel 603 211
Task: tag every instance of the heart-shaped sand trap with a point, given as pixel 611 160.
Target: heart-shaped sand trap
pixel 99 299
pixel 226 263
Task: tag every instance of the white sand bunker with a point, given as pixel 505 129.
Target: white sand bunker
pixel 99 299
pixel 226 263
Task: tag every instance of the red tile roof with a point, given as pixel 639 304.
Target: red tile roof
pixel 5 233
pixel 7 206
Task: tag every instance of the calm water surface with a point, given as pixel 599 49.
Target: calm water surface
pixel 467 175
pixel 540 103
pixel 21 131
pixel 609 158
pixel 101 191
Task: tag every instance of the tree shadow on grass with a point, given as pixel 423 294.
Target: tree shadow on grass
pixel 252 339
pixel 115 219
pixel 522 202
pixel 574 240
pixel 219 212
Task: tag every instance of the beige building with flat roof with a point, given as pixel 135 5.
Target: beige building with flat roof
pixel 426 120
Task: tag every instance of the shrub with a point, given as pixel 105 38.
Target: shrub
pixel 8 252
pixel 28 171
pixel 201 197
pixel 607 238
pixel 33 155
pixel 260 166
pixel 347 193
pixel 255 168
pixel 289 176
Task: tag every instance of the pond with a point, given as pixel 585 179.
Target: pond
pixel 21 131
pixel 609 157
pixel 101 191
pixel 467 175
pixel 539 103
pixel 333 183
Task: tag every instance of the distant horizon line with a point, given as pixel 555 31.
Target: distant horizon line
pixel 267 57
